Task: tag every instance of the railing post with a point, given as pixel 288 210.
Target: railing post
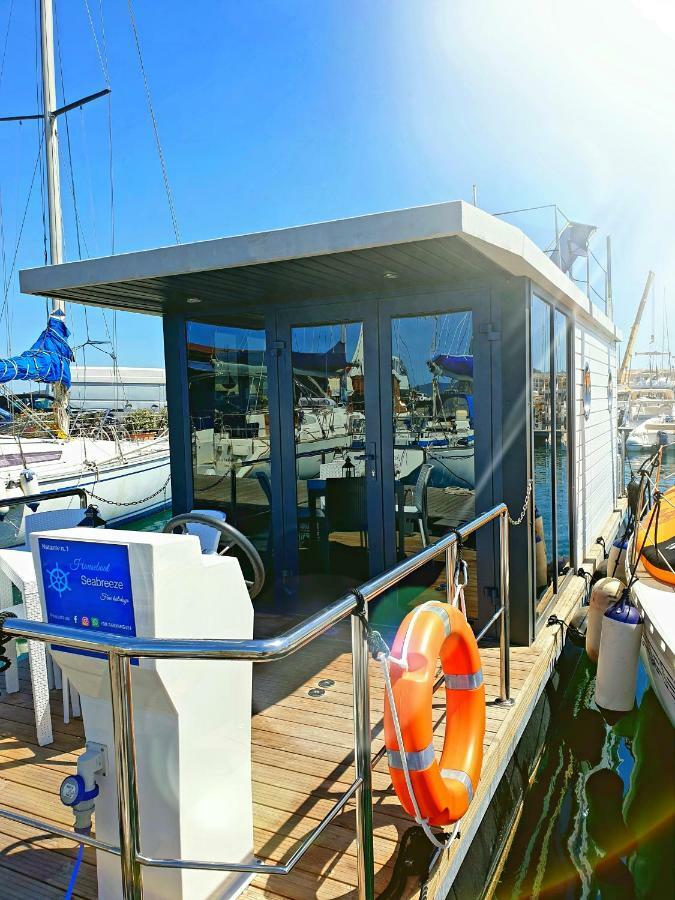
pixel 362 754
pixel 504 599
pixel 125 762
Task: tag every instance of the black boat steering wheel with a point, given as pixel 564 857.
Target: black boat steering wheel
pixel 229 538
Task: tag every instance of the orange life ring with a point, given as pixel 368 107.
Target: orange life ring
pixel 443 791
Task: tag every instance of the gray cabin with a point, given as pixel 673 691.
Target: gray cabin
pixel 348 391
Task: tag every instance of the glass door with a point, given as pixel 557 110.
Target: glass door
pixel 433 425
pixel 229 416
pixel 435 376
pixel 330 434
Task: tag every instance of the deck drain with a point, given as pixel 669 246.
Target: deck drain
pixel 316 692
pixel 326 683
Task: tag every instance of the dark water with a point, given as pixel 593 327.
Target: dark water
pixel 598 820
pixel 599 817
pixel 154 522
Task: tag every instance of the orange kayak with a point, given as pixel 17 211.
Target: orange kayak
pixel 656 539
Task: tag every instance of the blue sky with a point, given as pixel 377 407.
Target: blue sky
pixel 280 113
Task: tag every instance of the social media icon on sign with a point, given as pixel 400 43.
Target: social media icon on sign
pixel 85 621
pixel 95 623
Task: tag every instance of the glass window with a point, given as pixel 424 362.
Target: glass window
pixel 229 418
pixel 562 470
pixel 329 423
pixel 433 427
pixel 540 336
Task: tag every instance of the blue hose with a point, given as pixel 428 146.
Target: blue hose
pixel 75 873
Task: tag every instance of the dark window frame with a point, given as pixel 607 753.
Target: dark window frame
pixel 558 583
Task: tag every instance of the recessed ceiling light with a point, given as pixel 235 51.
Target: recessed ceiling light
pixel 193 300
pixel 391 274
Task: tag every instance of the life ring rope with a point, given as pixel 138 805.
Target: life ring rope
pixel 402 661
pixel 419 760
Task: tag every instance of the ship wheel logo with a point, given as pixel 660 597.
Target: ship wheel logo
pixel 58 580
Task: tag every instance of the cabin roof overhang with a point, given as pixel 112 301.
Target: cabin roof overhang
pixel 381 253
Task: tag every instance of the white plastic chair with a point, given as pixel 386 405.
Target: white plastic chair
pixel 209 538
pixel 49 520
pixel 23 576
pixel 17 569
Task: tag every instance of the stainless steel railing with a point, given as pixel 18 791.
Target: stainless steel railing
pixel 120 651
pixel 23 499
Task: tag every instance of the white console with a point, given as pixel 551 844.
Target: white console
pixel 192 719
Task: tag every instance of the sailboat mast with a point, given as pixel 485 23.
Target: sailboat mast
pixel 53 179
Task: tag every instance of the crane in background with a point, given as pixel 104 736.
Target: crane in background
pixel 630 346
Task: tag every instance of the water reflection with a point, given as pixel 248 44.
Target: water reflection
pixel 598 819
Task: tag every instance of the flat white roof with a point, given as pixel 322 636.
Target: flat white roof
pixel 421 246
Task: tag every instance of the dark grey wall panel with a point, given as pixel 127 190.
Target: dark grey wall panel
pixel 175 360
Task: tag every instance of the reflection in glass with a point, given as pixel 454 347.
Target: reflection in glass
pixel 542 422
pixel 433 426
pixel 562 432
pixel 329 422
pixel 229 416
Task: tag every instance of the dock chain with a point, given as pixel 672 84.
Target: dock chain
pixel 5 662
pixel 528 497
pixel 132 502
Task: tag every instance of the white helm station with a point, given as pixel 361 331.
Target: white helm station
pixel 192 718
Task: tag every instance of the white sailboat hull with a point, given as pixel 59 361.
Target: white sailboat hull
pixel 655 432
pixel 656 602
pixel 125 479
pixel 452 466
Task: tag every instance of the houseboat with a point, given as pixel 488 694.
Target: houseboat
pixel 384 417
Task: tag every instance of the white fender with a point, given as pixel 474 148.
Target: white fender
pixel 540 552
pixel 541 562
pixel 605 592
pixel 616 678
pixel 617 557
pixel 5 491
pixel 29 482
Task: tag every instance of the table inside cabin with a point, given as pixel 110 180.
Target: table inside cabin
pixel 316 489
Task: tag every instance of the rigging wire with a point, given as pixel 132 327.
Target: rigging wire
pixel 160 152
pixel 102 53
pixel 3 252
pixel 104 63
pixel 79 235
pixel 4 48
pixel 111 179
pixel 21 227
pixel 40 127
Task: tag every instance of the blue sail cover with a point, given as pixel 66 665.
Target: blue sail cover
pixel 460 367
pixel 48 360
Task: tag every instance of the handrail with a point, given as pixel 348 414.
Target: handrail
pixel 120 651
pixel 48 495
pixel 258 649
